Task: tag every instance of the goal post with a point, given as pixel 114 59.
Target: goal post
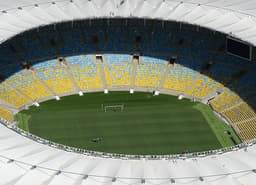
pixel 113 108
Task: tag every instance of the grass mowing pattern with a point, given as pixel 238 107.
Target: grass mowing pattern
pixel 23 121
pixel 217 126
pixel 148 125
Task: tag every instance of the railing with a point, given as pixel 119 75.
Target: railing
pixel 124 156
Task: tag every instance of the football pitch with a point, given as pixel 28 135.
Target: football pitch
pixel 146 125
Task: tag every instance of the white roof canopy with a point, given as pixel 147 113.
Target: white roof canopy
pixel 57 167
pixel 234 17
pixel 24 162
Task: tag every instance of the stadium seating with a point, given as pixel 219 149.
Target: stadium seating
pixel 57 80
pixel 118 71
pixel 31 43
pixel 45 65
pixel 157 43
pixel 192 63
pixel 117 43
pixel 6 114
pixel 182 38
pixel 8 94
pixel 143 32
pixel 232 60
pixel 10 69
pixel 154 59
pixel 179 78
pixel 149 74
pixel 203 86
pixel 225 100
pixel 245 85
pixel 247 130
pixel 8 52
pixel 240 113
pixel 157 35
pixel 85 71
pixel 222 73
pixel 218 42
pixel 80 59
pixel 50 37
pixel 28 84
pixel 74 40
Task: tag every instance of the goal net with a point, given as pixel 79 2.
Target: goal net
pixel 112 108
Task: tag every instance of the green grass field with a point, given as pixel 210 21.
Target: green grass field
pixel 148 125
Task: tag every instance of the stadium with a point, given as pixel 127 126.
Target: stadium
pixel 127 92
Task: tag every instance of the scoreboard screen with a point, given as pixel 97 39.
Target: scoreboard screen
pixel 238 48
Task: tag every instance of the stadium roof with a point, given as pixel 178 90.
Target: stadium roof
pixel 24 162
pixel 234 17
